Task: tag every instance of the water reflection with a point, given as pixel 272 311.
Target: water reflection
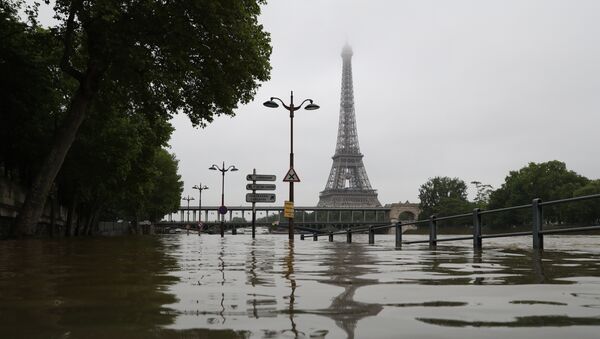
pixel 289 276
pixel 92 288
pixel 346 265
pixel 181 286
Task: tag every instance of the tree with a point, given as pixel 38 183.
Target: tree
pixel 115 155
pixel 549 181
pixel 484 191
pixel 587 211
pixel 444 196
pixel 199 57
pixel 165 196
pixel 28 104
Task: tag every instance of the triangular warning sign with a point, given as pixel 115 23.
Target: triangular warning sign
pixel 291 176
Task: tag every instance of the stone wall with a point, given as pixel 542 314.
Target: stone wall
pixel 12 196
pixel 398 208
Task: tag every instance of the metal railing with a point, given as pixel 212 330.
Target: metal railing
pixel 537 232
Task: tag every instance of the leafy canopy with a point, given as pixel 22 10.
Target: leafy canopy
pixel 199 57
pixel 444 196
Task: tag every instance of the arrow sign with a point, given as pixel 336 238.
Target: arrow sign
pixel 260 197
pixel 260 177
pixel 260 187
pixel 291 176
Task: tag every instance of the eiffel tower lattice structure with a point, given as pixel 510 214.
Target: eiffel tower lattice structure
pixel 348 184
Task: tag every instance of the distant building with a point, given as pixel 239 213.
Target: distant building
pixel 348 184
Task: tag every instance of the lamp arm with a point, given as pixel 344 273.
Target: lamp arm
pixel 282 103
pixel 302 103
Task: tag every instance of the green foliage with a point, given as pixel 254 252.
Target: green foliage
pixel 482 198
pixel 439 194
pixel 29 105
pixel 548 181
pixel 127 66
pixel 200 57
pixel 585 212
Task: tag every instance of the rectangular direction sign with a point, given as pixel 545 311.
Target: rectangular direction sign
pixel 288 209
pixel 260 197
pixel 260 187
pixel 260 177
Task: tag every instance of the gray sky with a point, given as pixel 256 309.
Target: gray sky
pixel 469 89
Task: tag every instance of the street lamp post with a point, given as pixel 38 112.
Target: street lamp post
pixel 188 198
pixel 291 108
pixel 222 209
pixel 200 188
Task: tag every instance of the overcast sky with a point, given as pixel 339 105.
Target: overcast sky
pixel 469 89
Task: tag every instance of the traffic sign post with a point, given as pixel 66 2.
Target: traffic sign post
pixel 259 197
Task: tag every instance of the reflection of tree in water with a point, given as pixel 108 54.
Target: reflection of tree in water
pixel 85 288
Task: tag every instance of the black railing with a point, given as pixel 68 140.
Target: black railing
pixel 537 232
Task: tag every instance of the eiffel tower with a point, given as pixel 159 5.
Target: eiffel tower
pixel 348 184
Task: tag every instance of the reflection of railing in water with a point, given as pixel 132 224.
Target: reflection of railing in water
pixel 537 232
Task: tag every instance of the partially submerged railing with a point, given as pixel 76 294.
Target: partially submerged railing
pixel 537 232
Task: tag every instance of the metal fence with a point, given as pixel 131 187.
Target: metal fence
pixel 537 231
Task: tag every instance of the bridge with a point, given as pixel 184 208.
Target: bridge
pixel 307 219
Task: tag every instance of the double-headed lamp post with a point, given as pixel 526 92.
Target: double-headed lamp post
pixel 188 198
pixel 200 188
pixel 222 209
pixel 291 108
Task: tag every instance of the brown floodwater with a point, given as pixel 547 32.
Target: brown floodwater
pixel 179 286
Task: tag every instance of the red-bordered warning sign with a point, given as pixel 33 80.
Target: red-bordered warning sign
pixel 291 176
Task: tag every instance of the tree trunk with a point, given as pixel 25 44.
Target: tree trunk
pixel 93 230
pixel 78 222
pixel 52 217
pixel 69 224
pixel 32 209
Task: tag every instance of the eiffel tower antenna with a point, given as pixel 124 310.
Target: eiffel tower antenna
pixel 348 184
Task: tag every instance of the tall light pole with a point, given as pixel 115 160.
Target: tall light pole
pixel 200 188
pixel 188 198
pixel 222 209
pixel 291 108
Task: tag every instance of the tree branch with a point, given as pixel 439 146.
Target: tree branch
pixel 65 63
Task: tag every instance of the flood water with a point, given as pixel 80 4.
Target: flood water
pixel 178 286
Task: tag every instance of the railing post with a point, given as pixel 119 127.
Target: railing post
pixel 476 229
pixel 432 231
pixel 348 236
pixel 315 237
pixel 330 236
pixel 399 234
pixel 538 221
pixel 301 236
pixel 371 235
